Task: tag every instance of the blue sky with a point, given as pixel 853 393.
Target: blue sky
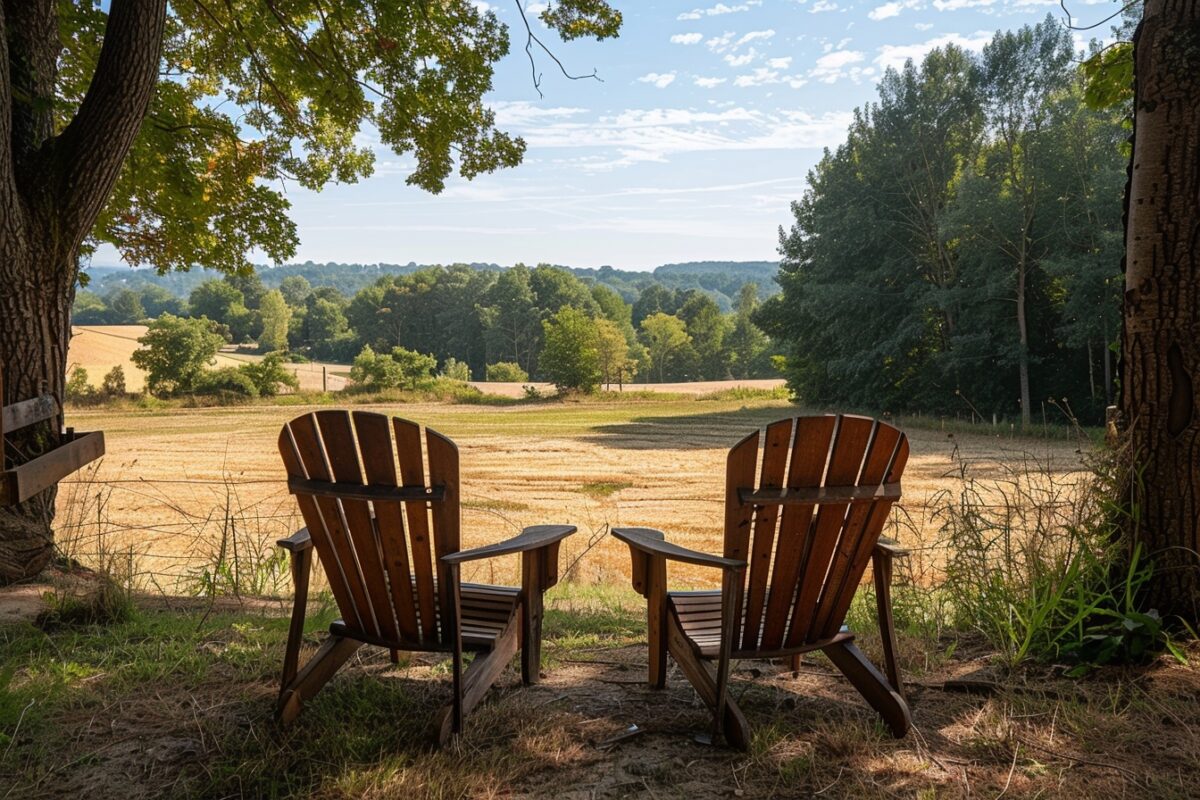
pixel 707 121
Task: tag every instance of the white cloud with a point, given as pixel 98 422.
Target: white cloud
pixel 658 80
pixel 708 83
pixel 923 26
pixel 836 65
pixel 753 35
pixel 719 9
pixel 521 112
pixel 823 5
pixel 641 135
pixel 886 11
pixel 741 60
pixel 533 9
pixel 955 5
pixel 779 63
pixel 687 38
pixel 895 55
pixel 719 44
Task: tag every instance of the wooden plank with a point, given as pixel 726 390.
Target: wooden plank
pixel 412 473
pixel 337 432
pixel 23 482
pixel 531 616
pixel 379 464
pixel 656 620
pixel 28 412
pixel 858 534
pixel 446 517
pixel 315 522
pixel 316 673
pixel 810 453
pixel 306 434
pixel 775 451
pixel 818 495
pixel 699 674
pixel 845 460
pixel 358 491
pixel 872 686
pixel 482 673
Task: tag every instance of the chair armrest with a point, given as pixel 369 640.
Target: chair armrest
pixel 891 548
pixel 300 540
pixel 532 538
pixel 651 542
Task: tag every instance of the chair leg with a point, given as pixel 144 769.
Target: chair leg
pixel 656 621
pixel 796 661
pixel 699 673
pixel 882 568
pixel 301 568
pixel 871 685
pixel 532 574
pixel 479 677
pixel 316 673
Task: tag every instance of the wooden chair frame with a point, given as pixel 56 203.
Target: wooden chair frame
pixel 515 615
pixel 748 628
pixel 19 483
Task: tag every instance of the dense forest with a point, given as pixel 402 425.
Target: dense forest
pixel 681 322
pixel 961 252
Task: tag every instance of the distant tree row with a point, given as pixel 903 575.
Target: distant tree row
pixel 483 323
pixel 962 250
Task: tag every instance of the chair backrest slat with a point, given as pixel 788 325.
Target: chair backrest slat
pixel 874 468
pixel 776 444
pixel 412 471
pixel 810 451
pixel 337 555
pixel 379 465
pixel 443 470
pixel 807 551
pixel 378 548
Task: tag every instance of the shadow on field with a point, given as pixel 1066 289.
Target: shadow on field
pixel 714 430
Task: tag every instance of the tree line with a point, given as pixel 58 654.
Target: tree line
pixel 540 322
pixel 961 252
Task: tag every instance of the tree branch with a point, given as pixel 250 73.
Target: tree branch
pixel 90 151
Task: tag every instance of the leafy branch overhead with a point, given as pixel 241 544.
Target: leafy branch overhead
pixel 254 95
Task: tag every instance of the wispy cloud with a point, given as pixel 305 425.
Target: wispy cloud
pixel 840 64
pixel 754 36
pixel 658 80
pixel 708 83
pixel 719 9
pixel 886 11
pixel 955 5
pixel 894 56
pixel 687 38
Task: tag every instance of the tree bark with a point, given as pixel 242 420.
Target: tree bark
pixel 1160 358
pixel 52 188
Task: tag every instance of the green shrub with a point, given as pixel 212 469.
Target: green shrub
pixel 456 370
pixel 269 375
pixel 398 368
pixel 78 389
pixel 506 372
pixel 231 382
pixel 113 384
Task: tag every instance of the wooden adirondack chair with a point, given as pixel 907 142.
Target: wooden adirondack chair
pixel 797 542
pixel 390 550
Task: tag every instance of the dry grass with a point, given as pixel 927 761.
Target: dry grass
pixel 179 478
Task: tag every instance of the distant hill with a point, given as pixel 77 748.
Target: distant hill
pixel 720 279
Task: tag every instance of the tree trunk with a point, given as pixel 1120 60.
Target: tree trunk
pixel 1160 359
pixel 1023 353
pixel 36 291
pixel 52 188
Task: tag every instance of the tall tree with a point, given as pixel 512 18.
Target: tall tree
pixel 109 132
pixel 1160 356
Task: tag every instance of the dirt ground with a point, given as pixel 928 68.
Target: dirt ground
pixel 593 729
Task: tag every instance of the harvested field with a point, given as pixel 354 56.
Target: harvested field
pixel 176 481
